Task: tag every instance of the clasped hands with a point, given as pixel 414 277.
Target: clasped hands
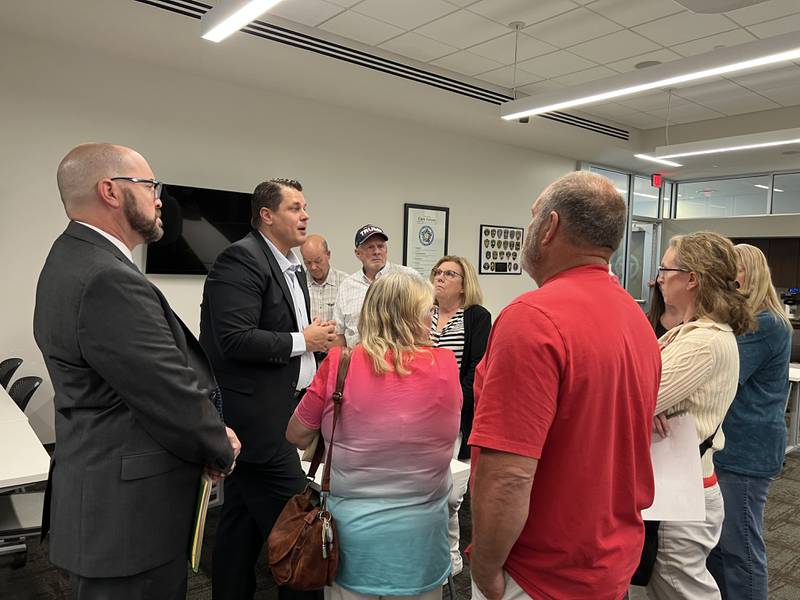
pixel 319 335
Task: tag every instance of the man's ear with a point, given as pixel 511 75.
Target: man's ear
pixel 265 214
pixel 108 193
pixel 548 232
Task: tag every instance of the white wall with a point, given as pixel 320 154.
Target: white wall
pixel 736 227
pixel 355 169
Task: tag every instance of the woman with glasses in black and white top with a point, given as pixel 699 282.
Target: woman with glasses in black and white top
pixel 462 325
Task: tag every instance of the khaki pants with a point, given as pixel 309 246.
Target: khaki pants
pixel 680 571
pixel 513 591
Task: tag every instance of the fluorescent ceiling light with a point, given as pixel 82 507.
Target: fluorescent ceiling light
pixel 231 15
pixel 711 64
pixel 731 148
pixel 660 161
pixel 766 187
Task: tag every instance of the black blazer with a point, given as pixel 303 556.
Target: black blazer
pixel 246 321
pixel 134 423
pixel 477 324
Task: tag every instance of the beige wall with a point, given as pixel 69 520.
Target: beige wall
pixel 355 168
pixel 764 226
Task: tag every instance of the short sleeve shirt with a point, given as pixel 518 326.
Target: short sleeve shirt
pixel 570 378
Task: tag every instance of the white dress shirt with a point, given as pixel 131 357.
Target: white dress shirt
pixel 289 266
pixel 116 241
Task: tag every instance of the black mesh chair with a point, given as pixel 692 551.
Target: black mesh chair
pixel 7 368
pixel 22 390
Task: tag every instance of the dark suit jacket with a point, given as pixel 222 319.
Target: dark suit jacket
pixel 134 423
pixel 246 322
pixel 477 324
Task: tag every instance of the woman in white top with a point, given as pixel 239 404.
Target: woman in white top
pixel 699 376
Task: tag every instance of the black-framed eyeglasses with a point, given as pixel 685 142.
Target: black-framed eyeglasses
pixel 155 183
pixel 447 274
pixel 665 269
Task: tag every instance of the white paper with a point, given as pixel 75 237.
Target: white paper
pixel 678 474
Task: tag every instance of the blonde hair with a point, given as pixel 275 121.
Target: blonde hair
pixel 393 319
pixel 711 257
pixel 472 289
pixel 758 288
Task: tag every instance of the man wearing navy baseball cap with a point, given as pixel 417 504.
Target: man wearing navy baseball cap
pixel 371 249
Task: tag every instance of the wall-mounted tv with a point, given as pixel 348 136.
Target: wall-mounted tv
pixel 198 224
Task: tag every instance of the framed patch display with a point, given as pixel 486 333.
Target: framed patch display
pixel 500 250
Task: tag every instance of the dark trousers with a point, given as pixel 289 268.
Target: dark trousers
pixel 255 495
pixel 167 582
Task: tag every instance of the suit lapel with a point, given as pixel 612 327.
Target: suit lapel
pixel 301 277
pixel 278 276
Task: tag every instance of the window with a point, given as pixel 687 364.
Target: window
pixel 666 203
pixel 786 194
pixel 723 197
pixel 645 198
pixel 620 181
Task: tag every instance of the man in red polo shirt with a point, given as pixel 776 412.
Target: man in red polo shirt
pixel 564 402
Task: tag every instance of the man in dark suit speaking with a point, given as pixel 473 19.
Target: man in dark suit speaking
pixel 135 422
pixel 255 327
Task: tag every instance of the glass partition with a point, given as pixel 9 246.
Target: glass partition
pixel 723 197
pixel 645 198
pixel 786 194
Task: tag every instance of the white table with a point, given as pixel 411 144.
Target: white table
pixel 793 407
pixel 23 459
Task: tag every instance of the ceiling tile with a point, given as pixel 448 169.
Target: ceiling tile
pixel 307 12
pixel 712 42
pixel 506 11
pixel 461 2
pixel 407 14
pixel 502 49
pixel 688 113
pixel 744 103
pixel 504 76
pixel 638 120
pixel 778 76
pixel 629 64
pixel 466 63
pixel 417 47
pixel 345 3
pixel 556 64
pixel 684 27
pixel 652 101
pixel 540 87
pixel 776 27
pixel 592 74
pixel 716 88
pixel 629 13
pixel 610 110
pixel 764 11
pixel 462 29
pixel 614 46
pixel 785 96
pixel 360 28
pixel 574 27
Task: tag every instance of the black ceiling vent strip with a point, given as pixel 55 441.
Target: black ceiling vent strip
pixel 191 8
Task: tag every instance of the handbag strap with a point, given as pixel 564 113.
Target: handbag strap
pixel 344 365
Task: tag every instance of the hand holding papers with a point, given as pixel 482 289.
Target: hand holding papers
pixel 678 474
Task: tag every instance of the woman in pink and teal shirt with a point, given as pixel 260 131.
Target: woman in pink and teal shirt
pixel 390 476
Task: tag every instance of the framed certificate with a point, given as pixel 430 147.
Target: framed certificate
pixel 425 232
pixel 500 250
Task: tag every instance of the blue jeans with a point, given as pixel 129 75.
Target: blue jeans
pixel 739 562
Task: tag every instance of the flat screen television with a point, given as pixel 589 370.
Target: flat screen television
pixel 198 224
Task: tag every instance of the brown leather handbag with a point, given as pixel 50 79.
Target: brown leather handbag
pixel 302 548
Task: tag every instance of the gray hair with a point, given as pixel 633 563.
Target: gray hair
pixel 591 210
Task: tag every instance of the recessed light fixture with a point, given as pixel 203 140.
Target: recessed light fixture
pixel 229 16
pixel 660 161
pixel 751 55
pixel 646 63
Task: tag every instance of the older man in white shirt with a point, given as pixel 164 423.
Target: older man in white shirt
pixel 372 250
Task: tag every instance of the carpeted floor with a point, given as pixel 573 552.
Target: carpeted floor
pixel 38 580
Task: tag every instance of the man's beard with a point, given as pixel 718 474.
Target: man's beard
pixel 531 255
pixel 150 230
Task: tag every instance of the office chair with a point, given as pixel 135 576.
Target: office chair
pixel 22 390
pixel 7 368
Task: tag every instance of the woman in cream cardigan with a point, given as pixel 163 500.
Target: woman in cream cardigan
pixel 699 376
